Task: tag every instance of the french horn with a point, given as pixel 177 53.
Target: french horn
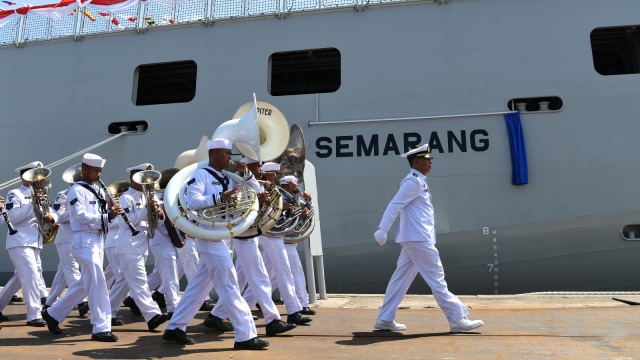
pixel 40 185
pixel 148 179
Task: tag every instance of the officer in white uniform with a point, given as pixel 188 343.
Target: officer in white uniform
pixel 251 270
pixel 417 236
pixel 207 187
pixel 276 253
pixel 24 249
pixel 89 219
pixel 132 250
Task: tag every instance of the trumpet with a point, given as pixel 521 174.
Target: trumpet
pixel 39 190
pixel 148 179
pixel 12 230
pixel 134 231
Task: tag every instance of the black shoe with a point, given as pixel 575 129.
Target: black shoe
pixel 52 323
pixel 15 299
pixel 156 321
pixel 170 315
pixel 251 344
pixel 307 311
pixel 177 336
pixel 105 336
pixel 207 305
pixel 132 305
pixel 3 318
pixel 83 308
pixel 298 319
pixel 215 322
pixel 278 327
pixel 37 323
pixel 43 300
pixel 116 322
pixel 159 298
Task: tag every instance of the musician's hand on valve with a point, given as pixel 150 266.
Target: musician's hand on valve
pixel 263 197
pixel 48 218
pixel 303 214
pixel 380 236
pixel 306 195
pixel 229 194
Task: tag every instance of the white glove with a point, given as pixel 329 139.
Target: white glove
pixel 380 236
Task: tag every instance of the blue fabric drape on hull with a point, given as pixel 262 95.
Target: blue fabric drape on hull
pixel 519 170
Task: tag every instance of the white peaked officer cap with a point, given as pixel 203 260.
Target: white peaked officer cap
pixel 288 179
pixel 219 143
pixel 246 160
pixel 93 160
pixel 422 151
pixel 270 166
pixel 29 166
pixel 141 167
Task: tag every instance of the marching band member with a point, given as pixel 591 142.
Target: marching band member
pixel 250 269
pixel 24 249
pixel 275 251
pixel 166 258
pixel 132 250
pixel 417 235
pixel 207 187
pixel 290 184
pixel 89 219
pixel 68 272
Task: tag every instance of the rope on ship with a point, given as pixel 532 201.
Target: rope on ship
pixel 16 180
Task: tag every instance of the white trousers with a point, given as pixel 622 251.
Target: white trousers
pixel 275 251
pixel 135 274
pixel 420 257
pixel 189 258
pixel 25 261
pixel 67 274
pixel 88 251
pixel 215 270
pixel 251 270
pixel 298 274
pixel 166 265
pixel 10 288
pixel 120 289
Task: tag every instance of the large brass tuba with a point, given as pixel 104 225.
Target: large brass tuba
pixel 178 239
pixel 228 219
pixel 148 180
pixel 290 226
pixel 40 187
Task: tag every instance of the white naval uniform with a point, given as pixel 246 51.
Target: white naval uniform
pixel 119 289
pixel 132 252
pixel 88 221
pixel 298 274
pixel 166 258
pixel 215 266
pixel 24 251
pixel 112 270
pixel 417 235
pixel 68 272
pixel 251 270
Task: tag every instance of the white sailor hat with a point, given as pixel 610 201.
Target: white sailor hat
pixel 288 179
pixel 219 143
pixel 29 166
pixel 93 160
pixel 422 151
pixel 141 167
pixel 270 166
pixel 246 160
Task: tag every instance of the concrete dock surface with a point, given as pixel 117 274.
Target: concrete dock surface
pixel 528 326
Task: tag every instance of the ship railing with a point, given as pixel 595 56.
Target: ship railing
pixel 88 21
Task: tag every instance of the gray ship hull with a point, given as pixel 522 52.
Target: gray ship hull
pixel 410 73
